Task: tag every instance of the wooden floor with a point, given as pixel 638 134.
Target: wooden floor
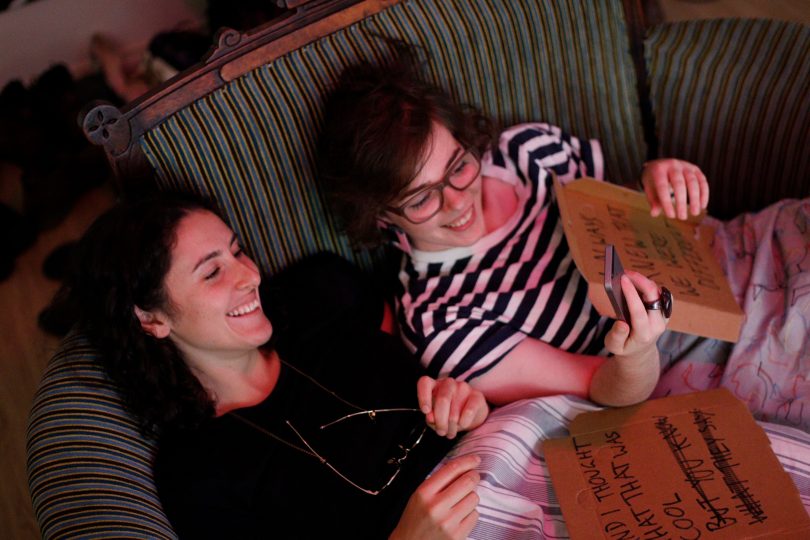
pixel 24 348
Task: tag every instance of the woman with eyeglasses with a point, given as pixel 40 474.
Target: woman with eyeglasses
pixel 488 291
pixel 282 410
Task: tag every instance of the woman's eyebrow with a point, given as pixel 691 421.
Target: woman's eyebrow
pixel 212 255
pixel 206 258
pixel 453 158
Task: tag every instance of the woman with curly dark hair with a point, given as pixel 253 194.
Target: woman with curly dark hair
pixel 269 427
pixel 120 266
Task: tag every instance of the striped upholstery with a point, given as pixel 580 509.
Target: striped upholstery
pixel 251 143
pixel 89 468
pixel 733 96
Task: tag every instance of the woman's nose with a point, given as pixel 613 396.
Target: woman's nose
pixel 248 275
pixel 453 198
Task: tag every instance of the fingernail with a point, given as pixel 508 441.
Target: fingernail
pixel 426 409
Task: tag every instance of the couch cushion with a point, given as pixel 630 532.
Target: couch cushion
pixel 89 467
pixel 732 96
pixel 251 143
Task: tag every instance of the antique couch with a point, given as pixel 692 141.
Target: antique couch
pixel 730 95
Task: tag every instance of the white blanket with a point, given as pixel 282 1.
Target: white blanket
pixel 517 497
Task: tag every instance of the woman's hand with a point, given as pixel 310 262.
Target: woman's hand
pixel 450 405
pixel 631 375
pixel 664 179
pixel 443 506
pixel 645 326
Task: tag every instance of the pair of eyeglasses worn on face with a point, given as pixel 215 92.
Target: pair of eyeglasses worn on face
pixel 429 200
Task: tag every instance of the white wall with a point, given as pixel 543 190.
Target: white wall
pixel 37 35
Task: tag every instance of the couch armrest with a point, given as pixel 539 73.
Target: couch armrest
pixel 89 467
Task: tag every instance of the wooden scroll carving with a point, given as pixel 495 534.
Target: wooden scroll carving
pixel 233 54
pixel 105 126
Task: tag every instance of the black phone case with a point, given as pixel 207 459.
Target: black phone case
pixel 613 285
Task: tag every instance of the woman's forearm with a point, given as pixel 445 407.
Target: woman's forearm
pixel 626 380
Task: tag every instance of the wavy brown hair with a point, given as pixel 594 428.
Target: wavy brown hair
pixel 376 130
pixel 121 262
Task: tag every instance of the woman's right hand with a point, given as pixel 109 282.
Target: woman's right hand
pixel 443 506
pixel 630 376
pixel 645 327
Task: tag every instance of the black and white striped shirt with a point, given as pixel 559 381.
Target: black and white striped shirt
pixel 461 310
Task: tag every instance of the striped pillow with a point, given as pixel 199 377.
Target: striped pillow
pixel 732 96
pixel 251 143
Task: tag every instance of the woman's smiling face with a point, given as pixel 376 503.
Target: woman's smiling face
pixel 212 290
pixel 459 221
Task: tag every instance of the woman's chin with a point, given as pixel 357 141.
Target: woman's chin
pixel 254 328
pixel 468 234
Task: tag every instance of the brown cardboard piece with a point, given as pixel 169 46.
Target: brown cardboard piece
pixel 689 466
pixel 675 254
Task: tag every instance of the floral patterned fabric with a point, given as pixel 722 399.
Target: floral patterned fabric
pixel 766 257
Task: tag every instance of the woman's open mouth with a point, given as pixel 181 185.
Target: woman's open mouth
pixel 245 309
pixel 462 222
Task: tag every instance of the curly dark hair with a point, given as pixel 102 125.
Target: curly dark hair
pixel 376 130
pixel 121 262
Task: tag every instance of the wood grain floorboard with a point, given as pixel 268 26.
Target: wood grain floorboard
pixel 24 351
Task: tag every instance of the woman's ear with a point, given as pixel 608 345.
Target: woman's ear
pixel 152 324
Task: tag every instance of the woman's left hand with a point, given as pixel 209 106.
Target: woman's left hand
pixel 668 179
pixel 450 405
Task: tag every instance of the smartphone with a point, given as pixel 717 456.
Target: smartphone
pixel 613 283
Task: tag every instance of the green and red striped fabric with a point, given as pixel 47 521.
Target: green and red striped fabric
pixel 733 96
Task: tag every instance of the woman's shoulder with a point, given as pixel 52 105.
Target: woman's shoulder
pixel 527 131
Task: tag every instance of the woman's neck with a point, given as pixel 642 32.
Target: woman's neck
pixel 239 382
pixel 499 202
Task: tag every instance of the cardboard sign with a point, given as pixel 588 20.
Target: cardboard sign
pixel 675 254
pixel 691 466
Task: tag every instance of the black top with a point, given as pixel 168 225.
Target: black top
pixel 230 480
